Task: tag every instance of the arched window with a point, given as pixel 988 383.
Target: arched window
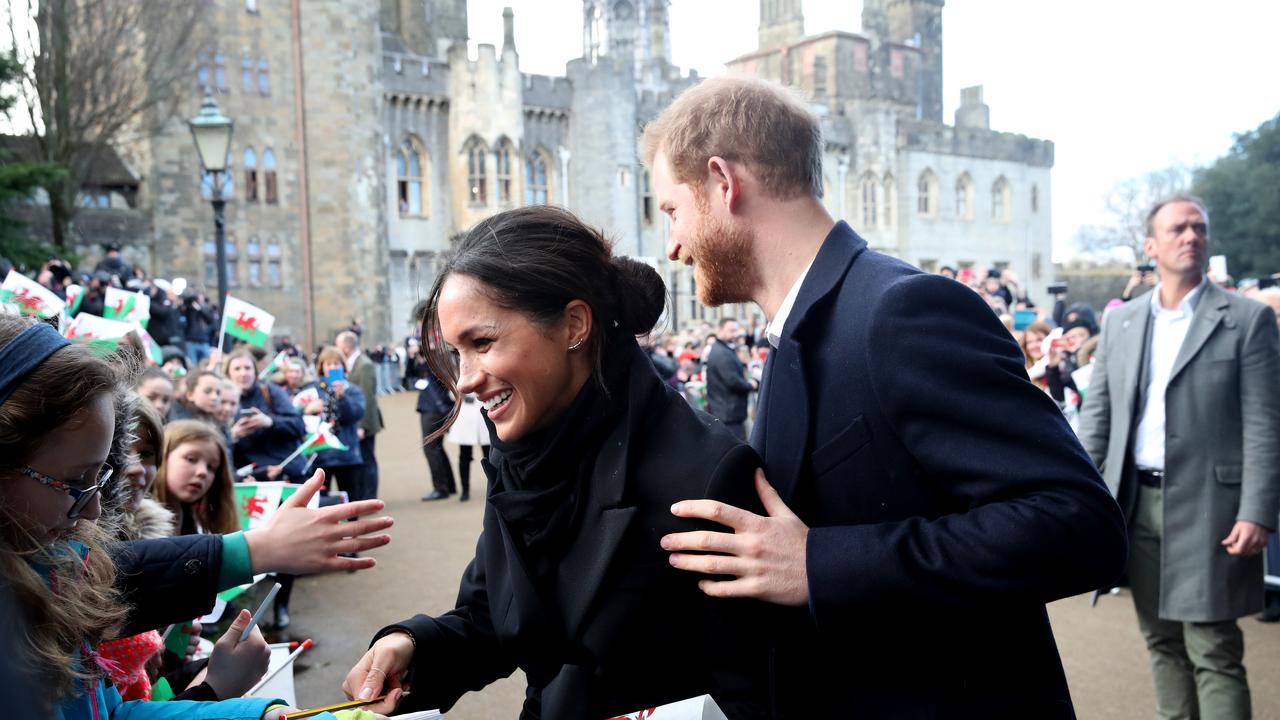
pixel 477 182
pixel 964 197
pixel 1000 200
pixel 927 194
pixel 253 249
pixel 646 196
pixel 1035 198
pixel 870 211
pixel 535 179
pixel 264 82
pixel 502 166
pixel 274 276
pixel 890 202
pixel 246 74
pixel 410 174
pixel 202 71
pixel 250 175
pixel 272 192
pixel 220 72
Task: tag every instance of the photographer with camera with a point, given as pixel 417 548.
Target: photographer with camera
pixel 1144 276
pixel 198 318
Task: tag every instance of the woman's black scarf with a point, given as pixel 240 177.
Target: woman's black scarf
pixel 542 479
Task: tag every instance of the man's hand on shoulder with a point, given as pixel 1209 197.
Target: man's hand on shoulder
pixel 764 554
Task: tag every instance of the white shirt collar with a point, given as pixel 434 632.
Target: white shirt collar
pixel 774 331
pixel 351 359
pixel 1186 307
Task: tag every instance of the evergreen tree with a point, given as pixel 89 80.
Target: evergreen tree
pixel 1242 193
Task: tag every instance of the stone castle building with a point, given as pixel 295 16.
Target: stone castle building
pixel 366 139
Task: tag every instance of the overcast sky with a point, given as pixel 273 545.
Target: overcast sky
pixel 1120 86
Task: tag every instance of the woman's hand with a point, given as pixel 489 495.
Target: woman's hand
pixel 339 389
pixel 381 670
pixel 193 631
pixel 274 471
pixel 235 666
pixel 315 407
pixel 300 540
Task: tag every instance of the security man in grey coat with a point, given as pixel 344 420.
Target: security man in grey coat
pixel 1183 416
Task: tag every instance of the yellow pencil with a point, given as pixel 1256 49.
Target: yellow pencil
pixel 339 706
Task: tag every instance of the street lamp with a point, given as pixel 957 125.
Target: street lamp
pixel 212 133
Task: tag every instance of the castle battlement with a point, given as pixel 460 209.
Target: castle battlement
pixel 548 91
pixel 927 136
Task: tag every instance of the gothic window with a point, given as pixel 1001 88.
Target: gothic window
pixel 410 162
pixel 253 249
pixel 870 213
pixel 964 197
pixel 1000 200
pixel 477 182
pixel 202 71
pixel 820 77
pixel 274 276
pixel 246 74
pixel 502 165
pixel 646 197
pixel 220 72
pixel 1035 198
pixel 927 194
pixel 233 262
pixel 264 81
pixel 210 250
pixel 535 176
pixel 890 201
pixel 250 175
pixel 270 190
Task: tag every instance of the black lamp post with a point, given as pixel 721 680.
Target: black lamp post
pixel 212 133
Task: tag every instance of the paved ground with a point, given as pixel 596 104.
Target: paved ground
pixel 1104 657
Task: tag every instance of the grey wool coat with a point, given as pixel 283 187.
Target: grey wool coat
pixel 1222 444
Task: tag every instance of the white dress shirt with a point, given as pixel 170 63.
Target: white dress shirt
pixel 1168 332
pixel 774 331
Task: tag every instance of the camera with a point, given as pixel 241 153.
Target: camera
pixel 1266 282
pixel 1057 288
pixel 1145 268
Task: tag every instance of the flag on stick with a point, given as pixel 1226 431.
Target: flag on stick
pixel 322 439
pixel 247 322
pixel 75 295
pixel 102 336
pixel 31 297
pixel 304 398
pixel 276 364
pixel 126 306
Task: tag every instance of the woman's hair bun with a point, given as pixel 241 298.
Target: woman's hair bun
pixel 641 295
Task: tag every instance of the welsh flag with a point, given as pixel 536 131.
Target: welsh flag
pixel 153 348
pixel 248 322
pixel 100 334
pixel 276 364
pixel 322 439
pixel 126 306
pixel 304 398
pixel 257 502
pixel 75 295
pixel 31 297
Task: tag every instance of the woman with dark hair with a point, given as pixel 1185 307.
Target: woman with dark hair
pixel 589 449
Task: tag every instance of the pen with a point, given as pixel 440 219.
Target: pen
pixel 287 662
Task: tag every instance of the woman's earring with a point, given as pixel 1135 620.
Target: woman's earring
pixel 576 345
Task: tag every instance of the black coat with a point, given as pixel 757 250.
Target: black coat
pixel 648 635
pixel 167 581
pixel 166 319
pixel 727 384
pixel 938 528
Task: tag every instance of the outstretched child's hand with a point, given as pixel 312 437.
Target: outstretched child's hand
pixel 235 666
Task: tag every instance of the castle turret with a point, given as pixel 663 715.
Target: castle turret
pixel 918 23
pixel 781 23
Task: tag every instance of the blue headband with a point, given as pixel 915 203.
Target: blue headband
pixel 25 353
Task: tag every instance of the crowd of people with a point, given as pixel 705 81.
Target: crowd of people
pixel 929 464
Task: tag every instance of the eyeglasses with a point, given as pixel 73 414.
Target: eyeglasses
pixel 80 499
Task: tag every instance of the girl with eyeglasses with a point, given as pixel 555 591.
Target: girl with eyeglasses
pixel 58 405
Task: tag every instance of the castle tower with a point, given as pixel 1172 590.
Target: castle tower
pixel 655 51
pixel 427 27
pixel 611 28
pixel 919 23
pixel 781 23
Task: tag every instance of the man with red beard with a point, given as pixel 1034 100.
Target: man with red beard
pixel 913 533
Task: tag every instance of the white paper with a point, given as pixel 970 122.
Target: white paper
pixel 422 715
pixel 702 707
